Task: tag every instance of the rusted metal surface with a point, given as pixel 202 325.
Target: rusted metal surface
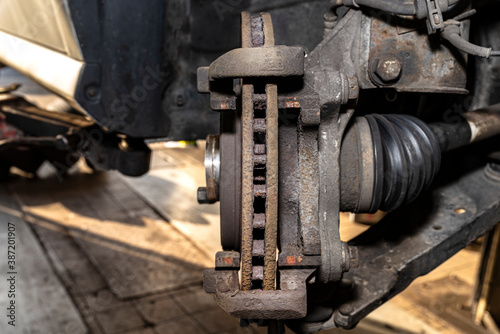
pixel 247 196
pixel 259 149
pixel 259 62
pixel 271 231
pixel 220 99
pixel 269 31
pixel 222 102
pixel 263 157
pixel 333 71
pixel 258 248
pixel 246 30
pixel 259 294
pixel 258 57
pixel 249 272
pixel 259 125
pixel 262 149
pixel 332 126
pixel 260 160
pixel 257 29
pixel 289 225
pixel 259 221
pixel 309 190
pixel 260 190
pixel 421 66
pixel 257 273
pixel 227 260
pixel 334 90
pixel 299 261
pixel 202 82
pixel 288 303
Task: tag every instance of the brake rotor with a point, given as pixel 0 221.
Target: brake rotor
pixel 249 169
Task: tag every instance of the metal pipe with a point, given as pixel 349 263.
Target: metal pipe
pixel 473 126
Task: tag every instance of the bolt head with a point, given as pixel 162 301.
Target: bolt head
pixel 389 68
pixel 202 195
pixel 92 92
pixel 346 309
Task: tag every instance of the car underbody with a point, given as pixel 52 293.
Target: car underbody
pixel 324 107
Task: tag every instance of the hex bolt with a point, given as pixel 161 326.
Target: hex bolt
pixel 388 68
pixel 202 196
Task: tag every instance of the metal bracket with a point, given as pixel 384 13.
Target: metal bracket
pixel 267 61
pixel 290 302
pixel 411 242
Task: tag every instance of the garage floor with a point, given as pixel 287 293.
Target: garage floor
pixel 103 253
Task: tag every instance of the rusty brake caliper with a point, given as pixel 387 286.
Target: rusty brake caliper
pixel 258 63
pixel 256 182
